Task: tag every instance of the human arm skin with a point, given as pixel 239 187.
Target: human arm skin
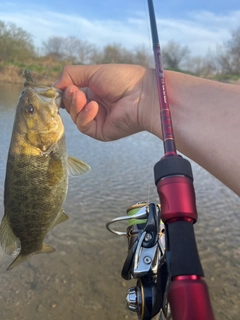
pixel 206 122
pixel 119 100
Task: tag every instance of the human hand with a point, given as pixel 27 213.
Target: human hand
pixel 112 101
pixel 119 100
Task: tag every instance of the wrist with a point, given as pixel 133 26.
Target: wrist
pixel 149 110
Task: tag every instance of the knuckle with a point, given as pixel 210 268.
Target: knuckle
pixel 64 70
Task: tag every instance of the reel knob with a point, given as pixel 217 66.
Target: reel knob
pixel 140 299
pixel 131 299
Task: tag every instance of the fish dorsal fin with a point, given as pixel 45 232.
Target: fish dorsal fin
pixel 61 217
pixel 28 76
pixel 9 242
pixel 77 167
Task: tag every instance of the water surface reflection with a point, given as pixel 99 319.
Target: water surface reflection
pixel 81 280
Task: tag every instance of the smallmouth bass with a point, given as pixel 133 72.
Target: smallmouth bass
pixel 37 170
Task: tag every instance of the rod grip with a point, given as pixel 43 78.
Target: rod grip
pixel 183 254
pixel 195 292
pixel 172 166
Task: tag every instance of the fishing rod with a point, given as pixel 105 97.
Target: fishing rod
pixel 188 293
pixel 162 251
pixel 165 115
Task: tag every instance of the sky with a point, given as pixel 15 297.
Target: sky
pixel 201 25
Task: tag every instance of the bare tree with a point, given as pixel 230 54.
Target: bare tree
pixel 71 49
pixel 77 51
pixel 85 52
pixel 142 56
pixel 53 48
pixel 15 43
pixel 233 50
pixel 223 61
pixel 228 55
pixel 113 53
pixel 174 55
pixel 202 66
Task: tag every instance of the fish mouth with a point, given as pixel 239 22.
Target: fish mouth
pixel 42 96
pixel 45 93
pixel 54 129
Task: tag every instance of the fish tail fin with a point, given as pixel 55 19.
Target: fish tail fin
pixel 21 257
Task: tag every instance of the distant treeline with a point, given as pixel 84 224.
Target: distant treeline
pixel 18 52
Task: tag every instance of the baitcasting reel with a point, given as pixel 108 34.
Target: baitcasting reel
pixel 145 261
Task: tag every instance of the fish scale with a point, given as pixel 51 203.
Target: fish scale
pixel 32 206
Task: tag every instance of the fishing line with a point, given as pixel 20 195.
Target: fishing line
pixel 42 75
pixel 150 169
pixel 149 34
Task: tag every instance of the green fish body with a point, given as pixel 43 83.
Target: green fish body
pixel 36 179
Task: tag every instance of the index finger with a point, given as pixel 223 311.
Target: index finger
pixel 77 75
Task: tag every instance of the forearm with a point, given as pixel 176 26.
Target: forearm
pixel 206 122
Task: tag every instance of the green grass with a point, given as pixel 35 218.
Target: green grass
pixel 227 77
pixel 13 72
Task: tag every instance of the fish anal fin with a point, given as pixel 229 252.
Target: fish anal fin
pixel 9 242
pixel 46 249
pixel 77 167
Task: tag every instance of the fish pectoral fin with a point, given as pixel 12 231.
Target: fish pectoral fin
pixel 61 217
pixel 21 258
pixel 77 167
pixel 9 242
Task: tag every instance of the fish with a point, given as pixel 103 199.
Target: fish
pixel 37 170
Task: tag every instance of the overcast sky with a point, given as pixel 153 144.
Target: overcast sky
pixel 202 25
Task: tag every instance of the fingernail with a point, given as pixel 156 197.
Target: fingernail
pixel 88 107
pixel 73 97
pixel 68 94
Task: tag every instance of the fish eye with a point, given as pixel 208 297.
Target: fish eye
pixel 30 109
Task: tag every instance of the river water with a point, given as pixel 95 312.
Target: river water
pixel 81 280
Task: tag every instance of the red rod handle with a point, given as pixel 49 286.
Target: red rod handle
pixel 194 290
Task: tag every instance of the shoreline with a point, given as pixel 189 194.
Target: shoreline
pixel 47 72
